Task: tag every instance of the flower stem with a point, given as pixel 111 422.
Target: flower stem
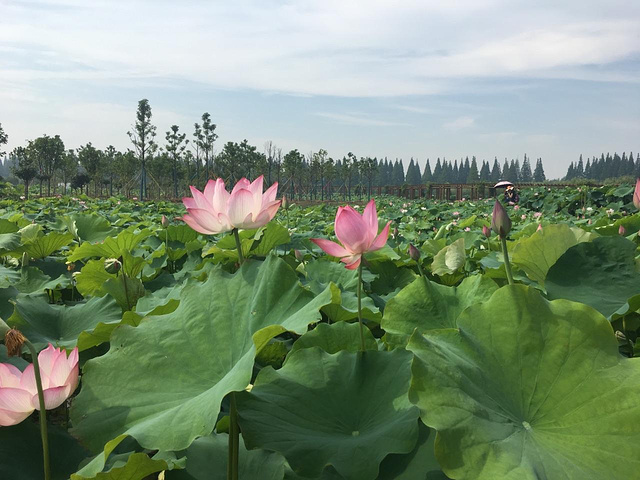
pixel 507 264
pixel 626 335
pixel 238 246
pixel 43 411
pixel 360 306
pixel 420 269
pixel 234 440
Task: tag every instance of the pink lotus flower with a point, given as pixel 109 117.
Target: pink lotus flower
pixel 215 210
pixel 622 230
pixel 537 214
pixel 15 401
pixel 59 377
pixel 517 207
pixel 357 233
pixel 636 195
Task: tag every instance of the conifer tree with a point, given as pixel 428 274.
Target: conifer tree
pixel 427 175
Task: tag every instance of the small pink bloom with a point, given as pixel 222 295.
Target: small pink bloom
pixel 357 233
pixel 135 199
pixel 622 230
pixel 486 231
pixel 59 377
pixel 523 216
pixel 456 214
pixel 537 214
pixel 517 207
pixel 539 229
pixel 636 195
pixel 216 210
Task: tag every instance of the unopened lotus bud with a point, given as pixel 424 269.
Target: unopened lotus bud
pixel 299 255
pixel 539 229
pixel 14 340
pixel 164 222
pixel 622 230
pixel 500 221
pixel 486 231
pixel 414 253
pixel 25 259
pixel 636 195
pixel 112 265
pixel 395 232
pixel 285 202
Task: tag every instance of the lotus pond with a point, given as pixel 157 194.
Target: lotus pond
pixel 255 348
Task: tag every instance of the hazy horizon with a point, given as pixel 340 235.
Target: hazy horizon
pixel 413 79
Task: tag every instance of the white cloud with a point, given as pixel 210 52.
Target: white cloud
pixel 359 120
pixel 460 123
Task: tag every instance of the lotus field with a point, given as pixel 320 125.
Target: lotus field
pixel 238 335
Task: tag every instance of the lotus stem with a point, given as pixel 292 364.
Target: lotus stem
pixel 234 440
pixel 626 336
pixel 360 306
pixel 507 264
pixel 43 412
pixel 238 246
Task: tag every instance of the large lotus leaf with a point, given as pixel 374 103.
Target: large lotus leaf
pixel 112 247
pixel 7 227
pixel 7 295
pixel 21 452
pixel 162 382
pixel 17 361
pixel 272 236
pixel 127 466
pixel 207 459
pixel 335 337
pixel 60 325
pixel 539 252
pixel 450 259
pixel 8 276
pixel 419 464
pixel 33 280
pixel 348 410
pixel 600 273
pixel 528 389
pixel 91 228
pixel 91 278
pixel 125 290
pixel 9 242
pixel 426 305
pixel 101 333
pixel 44 246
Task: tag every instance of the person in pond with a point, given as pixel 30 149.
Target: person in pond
pixel 511 195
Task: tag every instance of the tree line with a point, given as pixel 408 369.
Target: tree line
pixel 605 167
pixel 151 169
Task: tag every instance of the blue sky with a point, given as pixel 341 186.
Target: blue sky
pixel 400 79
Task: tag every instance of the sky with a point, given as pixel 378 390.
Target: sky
pixel 401 79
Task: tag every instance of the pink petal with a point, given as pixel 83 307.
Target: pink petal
pixel 9 375
pixel 189 220
pixel 48 357
pixel 28 380
pixel 270 195
pixel 60 372
pixel 381 239
pixel 207 220
pixel 209 191
pixel 352 262
pixel 220 199
pixel 352 230
pixel 266 214
pixel 331 248
pixel 370 217
pixel 53 397
pixel 15 405
pixel 256 189
pixel 241 204
pixel 9 418
pixel 243 183
pixel 199 200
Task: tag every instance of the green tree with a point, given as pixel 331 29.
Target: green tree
pixel 427 175
pixel 48 153
pixel 208 137
pixel 292 169
pixel 473 176
pixel 142 136
pixel 176 144
pixel 538 174
pixel 109 166
pixel 91 160
pixel 24 167
pixel 68 168
pixel 525 172
pixel 237 160
pixel 4 138
pixel 485 172
pixel 496 174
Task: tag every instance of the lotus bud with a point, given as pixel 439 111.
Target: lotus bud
pixel 395 232
pixel 539 229
pixel 500 221
pixel 414 253
pixel 636 195
pixel 112 265
pixel 25 259
pixel 486 231
pixel 164 222
pixel 285 203
pixel 14 340
pixel 622 230
pixel 299 255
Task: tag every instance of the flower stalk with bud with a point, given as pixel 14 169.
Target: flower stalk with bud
pixel 501 224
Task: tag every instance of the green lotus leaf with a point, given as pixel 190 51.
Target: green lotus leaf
pixel 600 273
pixel 7 295
pixel 91 278
pixel 207 459
pixel 348 410
pixel 60 325
pixel 426 305
pixel 112 247
pixel 8 276
pixel 528 389
pixel 450 259
pixel 44 246
pixel 335 337
pixel 162 382
pixel 7 227
pixel 91 227
pixel 33 280
pixel 272 236
pixel 21 452
pixel 539 252
pixel 127 466
pixel 9 242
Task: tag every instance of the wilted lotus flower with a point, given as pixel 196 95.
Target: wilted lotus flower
pixel 500 221
pixel 636 195
pixel 215 210
pixel 15 401
pixel 486 231
pixel 59 377
pixel 358 233
pixel 622 230
pixel 414 253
